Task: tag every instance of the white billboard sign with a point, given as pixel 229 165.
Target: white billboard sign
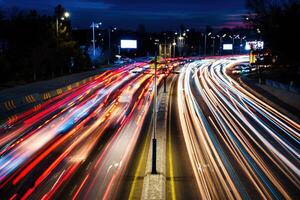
pixel 255 44
pixel 128 44
pixel 227 46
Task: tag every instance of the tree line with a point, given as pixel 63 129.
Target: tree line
pixel 277 22
pixel 36 47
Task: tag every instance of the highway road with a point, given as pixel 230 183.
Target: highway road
pixel 77 145
pixel 181 182
pixel 91 142
pixel 239 146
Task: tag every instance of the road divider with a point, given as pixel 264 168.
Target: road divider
pixel 154 185
pixel 10 108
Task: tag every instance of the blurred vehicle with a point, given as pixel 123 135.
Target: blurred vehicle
pixel 122 60
pixel 262 57
pixel 242 68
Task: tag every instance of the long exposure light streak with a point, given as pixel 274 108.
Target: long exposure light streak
pixel 239 146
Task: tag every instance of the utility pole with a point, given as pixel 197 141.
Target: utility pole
pixel 205 38
pixel 233 37
pixel 213 45
pixel 57 27
pixel 154 120
pixel 174 48
pixel 94 46
pixel 205 44
pixel 109 49
pixel 93 26
pixel 165 49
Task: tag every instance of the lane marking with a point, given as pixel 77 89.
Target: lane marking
pixel 170 150
pixel 142 156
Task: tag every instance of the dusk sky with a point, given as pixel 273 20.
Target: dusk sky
pixel 155 14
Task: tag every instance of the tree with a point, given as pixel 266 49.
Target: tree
pixel 34 50
pixel 276 22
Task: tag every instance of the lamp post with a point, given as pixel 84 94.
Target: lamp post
pixel 180 44
pixel 221 41
pixel 110 30
pixel 233 38
pixel 174 44
pixel 65 15
pixel 93 26
pixel 174 48
pixel 165 45
pixel 155 118
pixel 205 38
pixel 241 43
pixel 213 45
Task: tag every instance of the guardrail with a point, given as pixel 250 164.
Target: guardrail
pixel 9 108
pixel 283 86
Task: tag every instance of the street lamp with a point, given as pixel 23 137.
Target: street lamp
pixel 65 15
pixel 110 30
pixel 233 38
pixel 241 42
pixel 180 44
pixel 213 45
pixel 93 26
pixel 221 41
pixel 205 38
pixel 174 48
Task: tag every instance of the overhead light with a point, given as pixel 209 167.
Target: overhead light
pixel 67 14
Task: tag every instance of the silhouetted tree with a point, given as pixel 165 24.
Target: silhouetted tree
pixel 278 24
pixel 33 49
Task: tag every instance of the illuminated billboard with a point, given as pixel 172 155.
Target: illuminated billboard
pixel 255 44
pixel 227 46
pixel 128 44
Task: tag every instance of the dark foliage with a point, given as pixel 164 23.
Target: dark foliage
pixel 34 49
pixel 278 24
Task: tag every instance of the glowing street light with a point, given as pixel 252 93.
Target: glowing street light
pixel 93 26
pixel 65 15
pixel 180 37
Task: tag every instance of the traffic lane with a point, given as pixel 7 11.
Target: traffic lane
pixel 221 109
pixel 281 137
pixel 212 180
pixel 44 137
pixel 232 166
pixel 184 185
pixel 67 175
pixel 32 115
pixel 115 117
pixel 109 167
pixel 132 186
pixel 49 110
pixel 61 157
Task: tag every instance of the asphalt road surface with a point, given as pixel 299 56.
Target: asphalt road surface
pixel 239 146
pixel 91 142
